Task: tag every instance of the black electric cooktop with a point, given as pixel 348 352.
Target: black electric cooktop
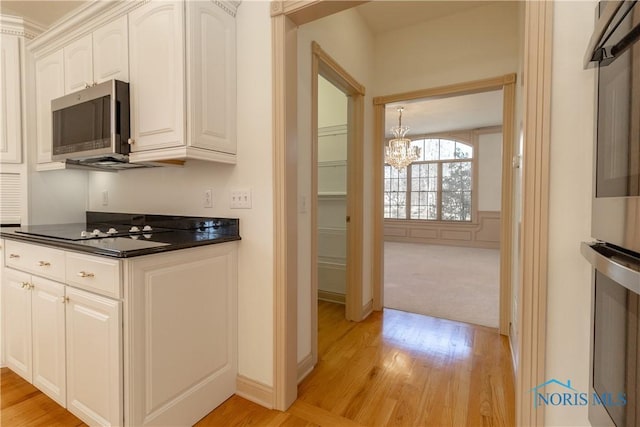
pixel 125 235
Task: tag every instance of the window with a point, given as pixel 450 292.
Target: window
pixel 436 187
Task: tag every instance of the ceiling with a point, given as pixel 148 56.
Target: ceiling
pixel 447 114
pixel 43 13
pixel 387 15
pixel 424 116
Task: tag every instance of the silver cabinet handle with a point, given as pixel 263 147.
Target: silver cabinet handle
pixel 131 141
pixel 14 256
pixel 44 263
pixel 85 274
pixel 65 300
pixel 26 285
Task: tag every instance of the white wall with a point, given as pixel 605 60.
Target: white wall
pixel 489 171
pixel 572 123
pixel 178 190
pixel 332 104
pixel 477 43
pixel 345 37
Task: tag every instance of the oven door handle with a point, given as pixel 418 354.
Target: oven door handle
pixel 626 275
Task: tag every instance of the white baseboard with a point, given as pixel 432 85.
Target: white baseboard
pixel 305 366
pixel 255 391
pixel 367 309
pixel 331 296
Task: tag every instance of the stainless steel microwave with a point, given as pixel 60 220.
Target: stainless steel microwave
pixel 92 123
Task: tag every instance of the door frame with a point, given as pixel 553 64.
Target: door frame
pixel 322 64
pixel 530 343
pixel 507 84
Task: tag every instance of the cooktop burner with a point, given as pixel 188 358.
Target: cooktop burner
pixel 81 231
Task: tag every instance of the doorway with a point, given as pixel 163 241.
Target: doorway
pixel 442 212
pixel 504 83
pixel 327 72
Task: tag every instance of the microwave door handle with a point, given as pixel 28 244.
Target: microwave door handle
pixel 627 277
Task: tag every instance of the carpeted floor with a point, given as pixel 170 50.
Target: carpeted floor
pixel 450 282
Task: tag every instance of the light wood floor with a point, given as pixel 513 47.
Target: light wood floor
pixel 393 369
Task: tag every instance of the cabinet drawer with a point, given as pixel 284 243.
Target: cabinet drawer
pixel 39 260
pixel 97 274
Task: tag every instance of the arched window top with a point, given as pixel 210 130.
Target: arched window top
pixel 442 149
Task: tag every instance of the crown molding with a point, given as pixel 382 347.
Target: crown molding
pixel 89 17
pixel 80 22
pixel 18 26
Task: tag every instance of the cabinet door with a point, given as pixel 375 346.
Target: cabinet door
pixel 94 358
pixel 211 66
pixel 48 331
pixel 156 61
pixel 49 85
pixel 16 312
pixel 111 51
pixel 10 101
pixel 78 64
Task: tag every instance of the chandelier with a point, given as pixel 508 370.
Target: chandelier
pixel 399 153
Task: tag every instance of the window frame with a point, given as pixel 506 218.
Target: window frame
pixel 464 137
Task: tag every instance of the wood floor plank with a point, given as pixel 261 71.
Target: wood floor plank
pixel 392 369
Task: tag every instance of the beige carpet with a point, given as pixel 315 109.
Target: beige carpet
pixel 451 282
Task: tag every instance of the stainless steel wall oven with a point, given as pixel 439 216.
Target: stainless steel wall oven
pixel 615 256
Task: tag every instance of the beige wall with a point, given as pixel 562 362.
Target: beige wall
pixel 179 191
pixel 489 171
pixel 476 43
pixel 572 123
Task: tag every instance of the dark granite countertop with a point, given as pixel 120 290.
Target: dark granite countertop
pixel 169 233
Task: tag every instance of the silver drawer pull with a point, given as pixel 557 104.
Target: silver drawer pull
pixel 44 264
pixel 14 256
pixel 24 285
pixel 85 274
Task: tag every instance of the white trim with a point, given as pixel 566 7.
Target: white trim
pixel 305 367
pixel 332 130
pixel 182 152
pixel 18 26
pixel 254 391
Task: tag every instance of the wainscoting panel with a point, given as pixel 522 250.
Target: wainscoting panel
pixel 485 233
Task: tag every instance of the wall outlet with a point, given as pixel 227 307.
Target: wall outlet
pixel 207 198
pixel 241 199
pixel 105 198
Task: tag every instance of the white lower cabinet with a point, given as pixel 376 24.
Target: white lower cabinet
pixel 34 322
pixel 94 357
pixel 159 347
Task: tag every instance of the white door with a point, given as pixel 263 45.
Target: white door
pixel 94 358
pixel 16 312
pixel 111 51
pixel 78 65
pixel 49 85
pixel 156 61
pixel 48 319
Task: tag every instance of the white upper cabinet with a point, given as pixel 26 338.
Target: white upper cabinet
pixel 78 65
pixel 10 101
pixel 97 57
pixel 211 48
pixel 49 85
pixel 165 39
pixel 156 59
pixel 111 51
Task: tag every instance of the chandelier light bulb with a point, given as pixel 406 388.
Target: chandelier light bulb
pixel 399 153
